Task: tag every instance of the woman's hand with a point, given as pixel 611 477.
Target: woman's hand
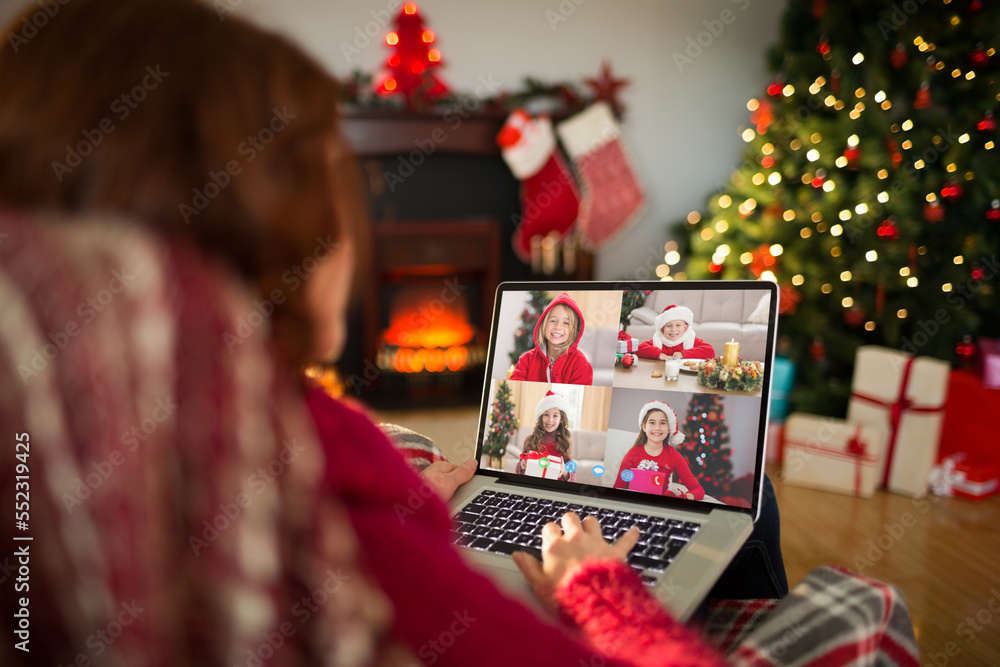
pixel 562 551
pixel 445 477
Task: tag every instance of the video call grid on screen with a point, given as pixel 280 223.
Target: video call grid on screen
pixel 603 416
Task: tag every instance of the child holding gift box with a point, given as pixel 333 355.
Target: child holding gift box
pixel 551 435
pixel 658 434
pixel 673 337
pixel 555 357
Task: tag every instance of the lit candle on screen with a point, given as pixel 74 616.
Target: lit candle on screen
pixel 732 354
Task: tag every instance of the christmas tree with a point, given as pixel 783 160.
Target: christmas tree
pixel 524 339
pixel 631 299
pixel 413 61
pixel 869 190
pixel 501 425
pixel 706 448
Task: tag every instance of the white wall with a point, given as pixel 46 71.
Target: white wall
pixel 682 123
pixel 681 126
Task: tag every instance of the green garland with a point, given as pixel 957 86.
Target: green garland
pixel 746 376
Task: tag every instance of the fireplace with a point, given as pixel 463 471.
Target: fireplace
pixel 443 206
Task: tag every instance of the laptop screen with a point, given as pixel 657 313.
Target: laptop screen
pixel 656 393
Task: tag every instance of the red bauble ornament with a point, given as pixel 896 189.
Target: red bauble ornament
pixel 979 57
pixel 789 300
pixel 888 230
pixel 628 360
pixel 977 273
pixel 819 179
pixel 933 212
pixel 952 191
pixel 767 162
pixel 898 57
pixel 854 316
pixel 817 349
pixel 714 268
pixel 762 116
pixel 853 154
pixel 966 351
pixel 823 47
pixel 819 8
pixel 988 123
pixel 774 90
pixel 993 215
pixel 974 6
pixel 923 98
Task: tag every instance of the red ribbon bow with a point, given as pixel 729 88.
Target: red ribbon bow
pixel 896 410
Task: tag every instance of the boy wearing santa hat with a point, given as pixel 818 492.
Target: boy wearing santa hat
pixel 674 338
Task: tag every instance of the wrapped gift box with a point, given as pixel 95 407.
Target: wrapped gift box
pixel 832 454
pixel 964 477
pixel 966 426
pixel 989 362
pixel 782 381
pixel 534 467
pixel 648 481
pixel 625 343
pixel 775 441
pixel 906 396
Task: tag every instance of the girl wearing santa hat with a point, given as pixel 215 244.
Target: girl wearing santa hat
pixel 551 435
pixel 654 449
pixel 674 338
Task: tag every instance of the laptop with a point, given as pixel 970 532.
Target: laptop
pixel 694 510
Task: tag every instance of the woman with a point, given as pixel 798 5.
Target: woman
pixel 229 144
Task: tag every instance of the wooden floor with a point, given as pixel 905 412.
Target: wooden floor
pixel 943 553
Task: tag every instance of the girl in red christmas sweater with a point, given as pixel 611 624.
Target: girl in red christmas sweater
pixel 653 449
pixel 551 436
pixel 673 337
pixel 555 357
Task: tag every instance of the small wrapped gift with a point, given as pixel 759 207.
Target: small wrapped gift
pixel 625 343
pixel 962 477
pixel 831 454
pixel 538 464
pixel 648 481
pixel 989 362
pixel 905 395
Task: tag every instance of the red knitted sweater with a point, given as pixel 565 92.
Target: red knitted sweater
pixel 450 615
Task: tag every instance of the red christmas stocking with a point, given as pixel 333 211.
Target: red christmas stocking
pixel 612 196
pixel 549 198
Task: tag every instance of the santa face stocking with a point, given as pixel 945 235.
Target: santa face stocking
pixel 549 198
pixel 612 196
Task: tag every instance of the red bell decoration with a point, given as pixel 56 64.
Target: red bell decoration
pixel 979 57
pixel 923 98
pixel 888 230
pixel 898 57
pixel 952 191
pixel 966 351
pixel 933 212
pixel 988 123
pixel 993 214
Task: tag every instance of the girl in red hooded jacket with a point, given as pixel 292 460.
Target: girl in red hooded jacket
pixel 555 357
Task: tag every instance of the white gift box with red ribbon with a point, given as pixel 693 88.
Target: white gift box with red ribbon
pixel 832 454
pixel 625 343
pixel 905 395
pixel 534 467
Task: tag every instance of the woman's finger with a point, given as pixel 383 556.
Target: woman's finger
pixel 625 543
pixel 592 526
pixel 571 524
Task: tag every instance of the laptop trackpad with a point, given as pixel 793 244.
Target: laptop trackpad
pixel 504 573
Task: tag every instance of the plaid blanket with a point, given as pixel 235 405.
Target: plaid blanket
pixel 832 617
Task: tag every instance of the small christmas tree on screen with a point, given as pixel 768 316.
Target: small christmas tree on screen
pixel 524 339
pixel 706 448
pixel 501 425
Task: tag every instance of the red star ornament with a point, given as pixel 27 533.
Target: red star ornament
pixel 606 87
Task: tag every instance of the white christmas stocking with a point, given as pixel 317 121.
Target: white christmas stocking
pixel 612 196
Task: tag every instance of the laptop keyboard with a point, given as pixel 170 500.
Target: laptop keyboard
pixel 503 523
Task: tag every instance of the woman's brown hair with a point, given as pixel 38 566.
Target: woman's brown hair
pixel 188 120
